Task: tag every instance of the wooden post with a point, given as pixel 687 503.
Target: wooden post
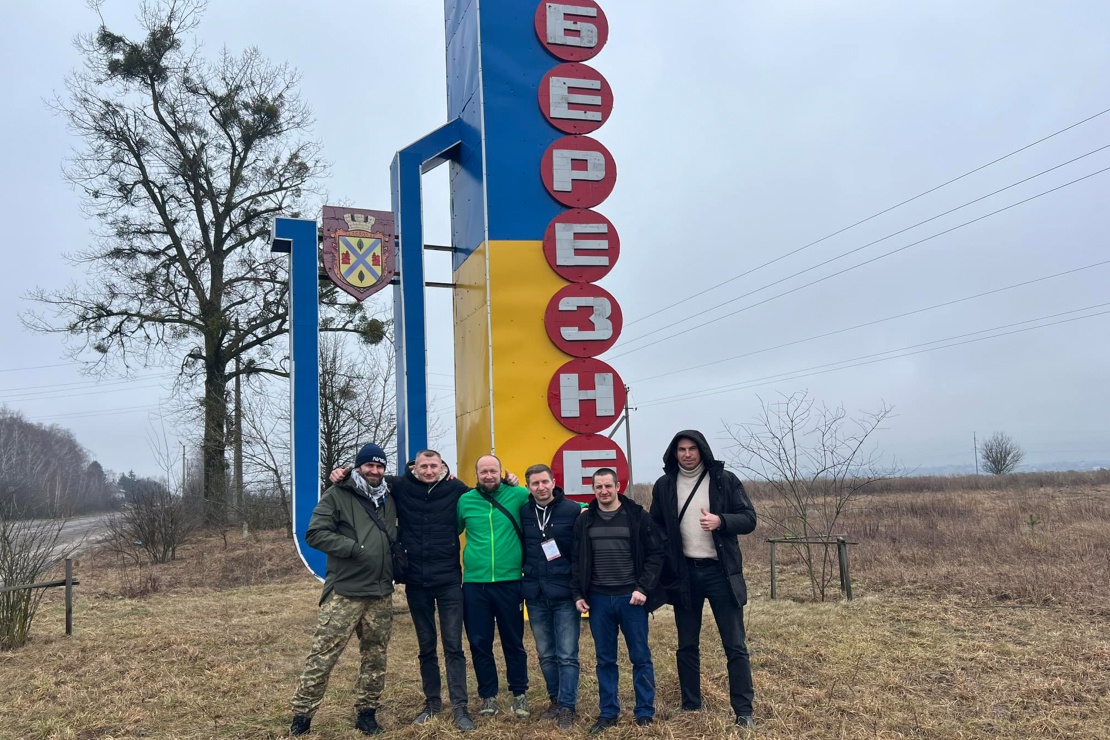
pixel 842 561
pixel 69 596
pixel 774 562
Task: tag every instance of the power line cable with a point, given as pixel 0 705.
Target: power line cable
pixel 804 373
pixel 856 249
pixel 33 367
pixel 869 218
pixel 87 383
pixel 43 396
pixel 876 321
pixel 858 265
pixel 90 414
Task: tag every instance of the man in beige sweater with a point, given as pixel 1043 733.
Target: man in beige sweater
pixel 703 508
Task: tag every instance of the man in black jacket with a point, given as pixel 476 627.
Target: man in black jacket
pixel 426 497
pixel 702 508
pixel 615 573
pixel 548 520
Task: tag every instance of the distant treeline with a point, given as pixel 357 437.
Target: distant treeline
pixel 45 472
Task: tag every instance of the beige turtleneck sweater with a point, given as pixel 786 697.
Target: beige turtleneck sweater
pixel 696 543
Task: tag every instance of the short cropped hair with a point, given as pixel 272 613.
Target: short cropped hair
pixel 606 471
pixel 537 468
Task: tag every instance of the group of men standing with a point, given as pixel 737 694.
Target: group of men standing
pixel 613 559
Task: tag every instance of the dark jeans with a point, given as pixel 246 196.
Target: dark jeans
pixel 422 606
pixel 608 615
pixel 709 582
pixel 556 625
pixel 487 604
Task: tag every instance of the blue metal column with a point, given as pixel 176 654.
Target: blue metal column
pixel 298 236
pixel 410 332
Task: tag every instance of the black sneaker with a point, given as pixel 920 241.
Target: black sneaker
pixel 552 710
pixel 745 720
pixel 302 725
pixel 426 714
pixel 367 722
pixel 463 720
pixel 643 721
pixel 602 724
pixel 565 718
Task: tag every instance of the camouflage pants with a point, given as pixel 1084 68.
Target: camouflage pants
pixel 372 619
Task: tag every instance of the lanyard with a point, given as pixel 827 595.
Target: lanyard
pixel 542 523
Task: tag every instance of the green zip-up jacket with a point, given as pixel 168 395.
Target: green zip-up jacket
pixel 359 563
pixel 493 550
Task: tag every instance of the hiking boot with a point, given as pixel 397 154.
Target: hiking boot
pixel 602 724
pixel 367 722
pixel 463 720
pixel 644 721
pixel 746 721
pixel 489 706
pixel 520 706
pixel 552 711
pixel 565 719
pixel 302 725
pixel 426 714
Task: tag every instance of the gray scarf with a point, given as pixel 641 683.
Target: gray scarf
pixel 374 493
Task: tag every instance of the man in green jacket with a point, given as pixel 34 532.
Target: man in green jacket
pixel 353 523
pixel 489 515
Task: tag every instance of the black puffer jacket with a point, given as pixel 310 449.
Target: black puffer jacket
pixel 428 528
pixel 727 500
pixel 543 577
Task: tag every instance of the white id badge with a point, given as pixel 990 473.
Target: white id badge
pixel 551 549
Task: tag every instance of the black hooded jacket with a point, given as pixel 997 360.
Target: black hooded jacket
pixel 429 528
pixel 727 500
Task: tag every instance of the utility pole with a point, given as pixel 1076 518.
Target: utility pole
pixel 628 435
pixel 182 469
pixel 975 444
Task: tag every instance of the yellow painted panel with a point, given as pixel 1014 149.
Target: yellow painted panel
pixel 524 358
pixel 473 415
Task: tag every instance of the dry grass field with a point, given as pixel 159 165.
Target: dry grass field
pixel 978 614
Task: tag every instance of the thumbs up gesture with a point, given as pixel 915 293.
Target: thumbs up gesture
pixel 708 521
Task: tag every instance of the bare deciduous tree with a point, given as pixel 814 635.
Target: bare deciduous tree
pixel 185 162
pixel 816 460
pixel 1001 454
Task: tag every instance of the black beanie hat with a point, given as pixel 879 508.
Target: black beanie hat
pixel 370 453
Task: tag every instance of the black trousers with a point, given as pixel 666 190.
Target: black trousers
pixel 709 582
pixel 422 606
pixel 500 605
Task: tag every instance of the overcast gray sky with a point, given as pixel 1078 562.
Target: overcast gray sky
pixel 742 132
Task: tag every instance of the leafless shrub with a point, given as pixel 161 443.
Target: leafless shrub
pixel 1001 454
pixel 814 462
pixel 152 524
pixel 28 550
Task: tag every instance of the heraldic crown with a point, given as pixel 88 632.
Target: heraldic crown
pixel 359 221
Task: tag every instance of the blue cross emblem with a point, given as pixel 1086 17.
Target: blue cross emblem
pixel 360 258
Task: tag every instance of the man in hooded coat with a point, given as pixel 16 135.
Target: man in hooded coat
pixel 702 508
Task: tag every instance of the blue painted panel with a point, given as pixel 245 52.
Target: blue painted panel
pixel 412 363
pixel 468 205
pixel 516 132
pixel 304 323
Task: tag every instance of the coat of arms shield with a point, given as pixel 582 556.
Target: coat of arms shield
pixel 359 253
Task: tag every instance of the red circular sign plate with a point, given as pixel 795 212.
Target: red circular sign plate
pixel 581 246
pixel 578 171
pixel 586 396
pixel 575 98
pixel 583 320
pixel 575 462
pixel 572 30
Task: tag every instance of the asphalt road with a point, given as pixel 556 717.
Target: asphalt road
pixel 78 535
